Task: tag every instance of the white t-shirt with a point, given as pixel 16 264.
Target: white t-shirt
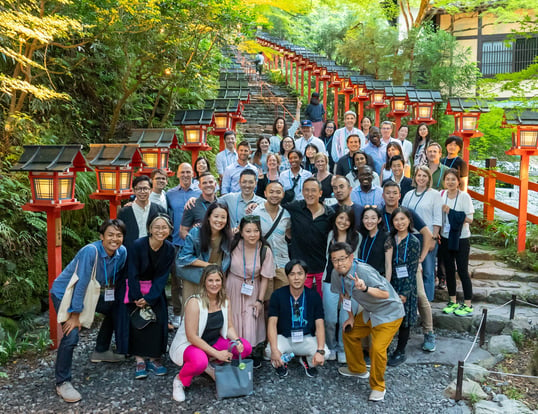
pixel 463 203
pixel 428 205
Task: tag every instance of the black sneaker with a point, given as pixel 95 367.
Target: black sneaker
pixel 396 358
pixel 282 371
pixel 256 363
pixel 309 371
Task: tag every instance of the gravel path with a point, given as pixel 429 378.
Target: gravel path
pixel 111 388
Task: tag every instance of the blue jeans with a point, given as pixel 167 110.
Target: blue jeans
pixel 428 273
pixel 64 357
pixel 333 315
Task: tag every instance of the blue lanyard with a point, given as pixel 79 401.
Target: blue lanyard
pixel 106 275
pixel 385 215
pixel 370 249
pixel 344 279
pixel 419 200
pixel 451 164
pixel 349 163
pixel 303 308
pixel 405 252
pixel 245 264
pixel 440 175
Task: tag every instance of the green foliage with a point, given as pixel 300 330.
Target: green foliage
pixel 473 398
pixel 495 141
pixel 518 338
pixel 14 346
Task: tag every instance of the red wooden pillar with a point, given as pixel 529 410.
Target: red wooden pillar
pixel 360 112
pixel 335 114
pixel 325 92
pixel 523 199
pixel 346 103
pixel 309 84
pixel 297 76
pixel 466 143
pixel 54 256
pixel 286 67
pixel 489 189
pixel 376 122
pixel 302 80
pixel 317 89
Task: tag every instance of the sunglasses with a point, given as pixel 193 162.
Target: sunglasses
pixel 297 310
pixel 251 219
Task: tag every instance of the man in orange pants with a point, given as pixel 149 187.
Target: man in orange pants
pixel 380 317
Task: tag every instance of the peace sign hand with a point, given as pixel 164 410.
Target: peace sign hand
pixel 359 283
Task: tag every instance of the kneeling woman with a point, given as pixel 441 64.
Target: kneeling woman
pixel 205 332
pixel 149 262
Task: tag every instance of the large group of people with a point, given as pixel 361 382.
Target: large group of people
pixel 325 247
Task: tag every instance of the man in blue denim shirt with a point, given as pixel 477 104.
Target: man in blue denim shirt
pixel 109 256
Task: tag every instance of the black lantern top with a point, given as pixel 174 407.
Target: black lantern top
pixel 465 105
pixel 115 155
pixel 154 138
pixel 52 158
pixel 241 94
pixel 396 91
pixel 193 117
pixel 520 117
pixel 223 105
pixel 376 84
pixel 424 96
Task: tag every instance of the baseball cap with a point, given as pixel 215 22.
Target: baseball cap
pixel 306 123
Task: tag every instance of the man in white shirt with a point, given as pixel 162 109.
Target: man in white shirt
pixel 339 147
pixel 228 156
pixel 407 146
pixel 158 193
pixel 308 138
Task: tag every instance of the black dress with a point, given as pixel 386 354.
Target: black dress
pixel 146 264
pixel 372 251
pixel 326 187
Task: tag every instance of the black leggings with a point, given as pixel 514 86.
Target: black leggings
pixel 403 337
pixel 459 259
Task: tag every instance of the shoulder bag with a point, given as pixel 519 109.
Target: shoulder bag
pixel 91 297
pixel 234 379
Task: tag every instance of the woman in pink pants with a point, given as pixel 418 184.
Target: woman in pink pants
pixel 206 332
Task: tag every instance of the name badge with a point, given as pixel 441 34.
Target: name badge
pixel 446 227
pixel 247 289
pixel 297 336
pixel 401 272
pixel 346 304
pixel 109 295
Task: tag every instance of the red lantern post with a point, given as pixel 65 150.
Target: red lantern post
pixel 155 145
pixel 398 108
pixel 194 124
pixel 360 95
pixel 52 171
pixel 423 101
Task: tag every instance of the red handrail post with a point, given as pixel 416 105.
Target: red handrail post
pixel 335 109
pixel 302 81
pixel 309 80
pixel 489 189
pixel 523 199
pixel 325 92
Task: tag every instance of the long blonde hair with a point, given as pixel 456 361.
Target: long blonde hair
pixel 221 296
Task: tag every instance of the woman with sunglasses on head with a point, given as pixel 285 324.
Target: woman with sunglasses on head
pixel 405 257
pixel 148 266
pixel 343 231
pixel 206 244
pixel 373 248
pixel 327 134
pixel 286 145
pixel 206 333
pixel 251 267
pixel 427 203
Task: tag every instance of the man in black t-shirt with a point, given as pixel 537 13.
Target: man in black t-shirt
pixel 296 324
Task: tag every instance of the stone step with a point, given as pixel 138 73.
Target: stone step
pixel 496 270
pixel 478 253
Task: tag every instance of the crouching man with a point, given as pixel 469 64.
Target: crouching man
pixel 295 323
pixel 381 316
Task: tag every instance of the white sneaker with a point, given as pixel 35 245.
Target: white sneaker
pixel 347 373
pixel 178 393
pixel 342 358
pixel 68 392
pixel 377 395
pixel 331 356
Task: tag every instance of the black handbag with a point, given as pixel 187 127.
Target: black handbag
pixel 142 317
pixel 289 195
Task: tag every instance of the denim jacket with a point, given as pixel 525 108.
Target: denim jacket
pixel 192 250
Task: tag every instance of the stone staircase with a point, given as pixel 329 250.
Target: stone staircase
pixel 265 105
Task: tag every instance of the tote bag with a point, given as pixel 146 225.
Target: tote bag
pixel 91 297
pixel 234 379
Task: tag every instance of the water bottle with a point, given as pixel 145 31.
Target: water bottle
pixel 287 357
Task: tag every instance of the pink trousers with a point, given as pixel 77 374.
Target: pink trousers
pixel 195 360
pixel 319 282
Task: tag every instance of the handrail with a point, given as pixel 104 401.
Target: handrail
pixel 285 110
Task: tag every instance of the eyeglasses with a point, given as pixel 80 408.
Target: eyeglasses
pixel 339 260
pixel 142 189
pixel 329 127
pixel 251 219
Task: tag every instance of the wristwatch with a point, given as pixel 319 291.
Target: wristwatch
pixel 321 351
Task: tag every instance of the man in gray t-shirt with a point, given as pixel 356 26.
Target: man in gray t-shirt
pixel 381 316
